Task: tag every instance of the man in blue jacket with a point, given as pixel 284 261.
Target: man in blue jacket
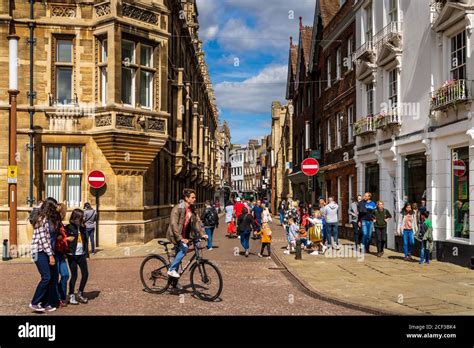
pixel 366 219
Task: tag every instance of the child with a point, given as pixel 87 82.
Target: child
pixel 303 236
pixel 266 235
pixel 425 236
pixel 315 235
pixel 293 229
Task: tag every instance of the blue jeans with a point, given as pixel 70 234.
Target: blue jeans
pixel 408 241
pixel 304 241
pixel 181 250
pixel 367 230
pixel 332 231
pixel 63 270
pixel 282 217
pixel 424 253
pixel 90 236
pixel 244 239
pixel 325 233
pixel 209 232
pixel 43 290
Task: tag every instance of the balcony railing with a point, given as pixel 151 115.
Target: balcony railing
pixel 451 93
pixel 364 126
pixel 62 101
pixel 363 50
pixel 391 33
pixel 386 120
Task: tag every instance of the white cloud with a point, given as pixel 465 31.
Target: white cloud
pixel 253 95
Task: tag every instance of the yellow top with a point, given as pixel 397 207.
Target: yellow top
pixel 266 233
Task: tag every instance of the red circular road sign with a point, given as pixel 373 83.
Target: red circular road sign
pixel 459 168
pixel 96 179
pixel 310 166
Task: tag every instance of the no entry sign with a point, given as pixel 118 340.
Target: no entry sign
pixel 459 168
pixel 96 179
pixel 310 166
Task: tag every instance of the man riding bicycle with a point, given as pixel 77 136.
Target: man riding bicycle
pixel 184 224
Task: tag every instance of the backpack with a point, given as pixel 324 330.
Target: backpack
pixel 209 217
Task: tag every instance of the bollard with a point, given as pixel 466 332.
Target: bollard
pixel 5 256
pixel 298 250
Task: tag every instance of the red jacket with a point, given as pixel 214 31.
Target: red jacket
pixel 238 209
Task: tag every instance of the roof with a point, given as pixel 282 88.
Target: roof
pixel 328 9
pixel 306 37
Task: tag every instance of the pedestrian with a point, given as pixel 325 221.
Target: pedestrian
pixel 407 228
pixel 257 215
pixel 266 215
pixel 210 219
pixel 353 217
pixel 245 225
pixel 425 236
pixel 238 208
pixel 310 209
pixel 303 236
pixel 90 218
pixel 281 211
pixel 331 214
pixel 184 224
pixel 293 230
pixel 322 206
pixel 266 238
pixel 77 255
pixel 229 219
pixel 217 205
pixel 382 216
pixel 423 207
pixel 366 209
pixel 60 252
pixel 43 255
pixel 316 233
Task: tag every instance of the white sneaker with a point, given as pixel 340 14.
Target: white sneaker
pixel 287 252
pixel 173 274
pixel 72 299
pixel 209 249
pixel 315 252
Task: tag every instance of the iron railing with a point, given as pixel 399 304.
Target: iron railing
pixel 364 126
pixel 391 31
pixel 451 93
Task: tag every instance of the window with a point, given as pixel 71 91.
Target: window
pixel 146 76
pixel 460 192
pixel 372 180
pixel 328 70
pixel 339 200
pixel 103 71
pixel 338 64
pixel 393 11
pixel 351 192
pixel 128 73
pixel 329 140
pixel 339 118
pixel 349 53
pixel 64 71
pixel 369 24
pixel 393 88
pixel 350 124
pixel 414 178
pixel 64 173
pixel 370 99
pixel 458 56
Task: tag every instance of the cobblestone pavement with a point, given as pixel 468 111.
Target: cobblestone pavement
pixel 252 286
pixel 386 285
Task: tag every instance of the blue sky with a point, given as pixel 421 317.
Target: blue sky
pixel 246 44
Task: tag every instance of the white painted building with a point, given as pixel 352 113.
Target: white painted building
pixel 414 89
pixel 237 158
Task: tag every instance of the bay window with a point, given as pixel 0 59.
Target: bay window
pixel 63 65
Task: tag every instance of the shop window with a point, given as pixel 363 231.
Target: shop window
pixel 460 191
pixel 372 180
pixel 414 183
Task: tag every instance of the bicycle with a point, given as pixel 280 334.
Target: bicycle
pixel 208 274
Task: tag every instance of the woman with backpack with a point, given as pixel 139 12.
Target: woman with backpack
pixel 210 219
pixel 45 296
pixel 407 228
pixel 246 224
pixel 77 255
pixel 60 256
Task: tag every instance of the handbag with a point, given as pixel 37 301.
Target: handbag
pixel 231 228
pixel 62 244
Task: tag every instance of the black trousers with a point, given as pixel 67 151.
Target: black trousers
pixel 267 245
pixel 381 238
pixel 355 228
pixel 76 261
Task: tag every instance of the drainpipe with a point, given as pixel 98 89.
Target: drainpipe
pixel 31 96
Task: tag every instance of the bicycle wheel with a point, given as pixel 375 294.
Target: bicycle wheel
pixel 207 281
pixel 153 274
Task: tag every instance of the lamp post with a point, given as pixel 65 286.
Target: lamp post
pixel 12 182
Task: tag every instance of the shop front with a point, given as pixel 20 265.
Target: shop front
pixel 414 178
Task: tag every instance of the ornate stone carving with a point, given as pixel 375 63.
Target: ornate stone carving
pixel 140 14
pixel 125 121
pixel 63 11
pixel 156 125
pixel 103 120
pixel 102 10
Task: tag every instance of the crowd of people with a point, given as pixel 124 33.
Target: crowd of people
pixel 317 227
pixel 59 251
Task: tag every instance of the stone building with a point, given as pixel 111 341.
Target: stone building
pixel 223 167
pixel 121 87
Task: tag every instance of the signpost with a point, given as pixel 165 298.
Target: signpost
pixel 459 168
pixel 310 166
pixel 96 180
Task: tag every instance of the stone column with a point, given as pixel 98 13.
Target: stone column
pixel 195 133
pixel 178 114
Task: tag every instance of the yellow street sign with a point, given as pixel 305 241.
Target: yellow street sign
pixel 12 174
